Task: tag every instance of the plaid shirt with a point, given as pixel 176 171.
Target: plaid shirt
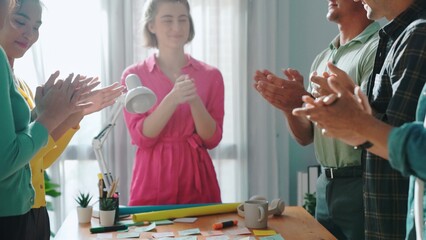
pixel 398 77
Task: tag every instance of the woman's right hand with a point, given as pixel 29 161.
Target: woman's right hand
pixel 184 90
pixel 57 99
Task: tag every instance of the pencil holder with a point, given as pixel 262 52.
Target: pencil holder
pixel 117 203
pixel 110 204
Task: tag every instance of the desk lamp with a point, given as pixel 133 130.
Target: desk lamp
pixel 138 99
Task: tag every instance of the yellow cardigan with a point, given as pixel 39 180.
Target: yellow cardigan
pixel 47 155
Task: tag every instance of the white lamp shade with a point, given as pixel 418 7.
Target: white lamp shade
pixel 139 100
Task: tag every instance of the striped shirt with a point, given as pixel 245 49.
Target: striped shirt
pixel 393 90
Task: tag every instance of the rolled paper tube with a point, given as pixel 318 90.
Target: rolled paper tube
pixel 186 212
pixel 150 208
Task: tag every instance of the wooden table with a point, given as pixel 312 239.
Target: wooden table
pixel 296 223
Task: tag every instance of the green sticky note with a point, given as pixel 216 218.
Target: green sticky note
pixel 130 223
pixel 274 237
pixel 163 222
pixel 189 232
pixel 128 235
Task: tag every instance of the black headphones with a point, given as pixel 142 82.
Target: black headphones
pixel 276 207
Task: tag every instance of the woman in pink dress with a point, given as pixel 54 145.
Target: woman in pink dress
pixel 172 165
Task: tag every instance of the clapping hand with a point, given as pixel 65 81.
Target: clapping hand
pixel 322 88
pixel 284 94
pixel 81 86
pixel 94 100
pixel 184 90
pixel 319 85
pixel 338 113
pixel 57 99
pixel 102 98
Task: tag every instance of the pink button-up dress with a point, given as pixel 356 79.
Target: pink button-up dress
pixel 175 167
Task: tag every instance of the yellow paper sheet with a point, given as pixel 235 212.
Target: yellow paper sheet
pixel 186 212
pixel 264 232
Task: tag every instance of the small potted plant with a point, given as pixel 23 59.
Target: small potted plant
pixel 84 211
pixel 310 203
pixel 107 208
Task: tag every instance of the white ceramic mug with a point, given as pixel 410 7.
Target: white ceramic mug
pixel 256 213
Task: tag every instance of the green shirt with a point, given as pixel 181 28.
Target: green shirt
pixel 407 153
pixel 19 141
pixel 356 58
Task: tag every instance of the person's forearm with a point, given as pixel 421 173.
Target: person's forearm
pixel 205 125
pixel 155 123
pixel 71 122
pixel 377 132
pixel 301 129
pixel 60 145
pixel 58 132
pixel 48 122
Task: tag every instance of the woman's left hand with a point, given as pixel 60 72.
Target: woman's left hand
pixel 102 98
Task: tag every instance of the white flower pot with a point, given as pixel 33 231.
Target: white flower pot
pixel 106 218
pixel 84 214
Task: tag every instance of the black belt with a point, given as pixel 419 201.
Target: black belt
pixel 344 172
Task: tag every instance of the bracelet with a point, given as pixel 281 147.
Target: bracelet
pixel 365 145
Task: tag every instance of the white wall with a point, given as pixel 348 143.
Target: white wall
pixel 309 33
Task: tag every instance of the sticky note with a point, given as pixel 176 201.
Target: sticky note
pixel 264 232
pixel 211 233
pixel 163 222
pixel 163 234
pixel 191 231
pixel 274 237
pixel 186 238
pixel 245 238
pixel 131 223
pixel 239 231
pixel 185 220
pixel 104 236
pixel 224 237
pixel 146 229
pixel 128 235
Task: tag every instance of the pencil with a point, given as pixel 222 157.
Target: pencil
pixel 100 185
pixel 113 187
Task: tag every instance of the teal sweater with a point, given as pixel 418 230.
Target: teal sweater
pixel 407 154
pixel 20 139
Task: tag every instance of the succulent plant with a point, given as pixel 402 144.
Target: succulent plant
pixel 310 203
pixel 83 199
pixel 107 204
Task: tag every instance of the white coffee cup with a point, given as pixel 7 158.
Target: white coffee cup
pixel 256 213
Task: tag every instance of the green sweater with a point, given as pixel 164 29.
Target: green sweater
pixel 20 139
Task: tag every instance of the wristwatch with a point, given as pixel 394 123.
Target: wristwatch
pixel 365 145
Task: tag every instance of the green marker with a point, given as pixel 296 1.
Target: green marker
pixel 107 229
